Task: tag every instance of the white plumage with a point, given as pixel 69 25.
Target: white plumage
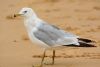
pixel 44 34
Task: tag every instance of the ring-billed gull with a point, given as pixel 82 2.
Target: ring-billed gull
pixel 48 35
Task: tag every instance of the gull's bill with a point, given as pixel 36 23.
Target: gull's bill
pixel 16 15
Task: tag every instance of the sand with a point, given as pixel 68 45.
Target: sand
pixel 81 17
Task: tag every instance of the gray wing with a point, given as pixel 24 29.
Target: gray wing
pixel 46 34
pixel 55 30
pixel 68 34
pixel 45 37
pixel 50 34
pixel 63 32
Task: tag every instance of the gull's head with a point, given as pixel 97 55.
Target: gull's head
pixel 26 12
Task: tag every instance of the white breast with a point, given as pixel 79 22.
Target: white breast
pixel 35 40
pixel 31 29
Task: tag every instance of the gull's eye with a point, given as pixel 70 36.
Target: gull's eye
pixel 25 11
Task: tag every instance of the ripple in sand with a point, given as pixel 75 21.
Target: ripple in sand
pixel 51 1
pixel 93 18
pixel 25 38
pixel 96 7
pixel 10 17
pixel 14 40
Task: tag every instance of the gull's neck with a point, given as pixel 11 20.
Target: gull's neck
pixel 31 15
pixel 31 22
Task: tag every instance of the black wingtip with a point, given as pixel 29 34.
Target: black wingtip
pixel 81 45
pixel 86 45
pixel 86 40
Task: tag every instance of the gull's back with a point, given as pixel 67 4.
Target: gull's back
pixel 54 36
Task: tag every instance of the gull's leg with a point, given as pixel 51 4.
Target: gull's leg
pixel 43 58
pixel 53 57
pixel 41 65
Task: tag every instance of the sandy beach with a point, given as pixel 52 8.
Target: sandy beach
pixel 81 17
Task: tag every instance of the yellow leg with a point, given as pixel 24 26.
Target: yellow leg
pixel 53 57
pixel 43 59
pixel 41 65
